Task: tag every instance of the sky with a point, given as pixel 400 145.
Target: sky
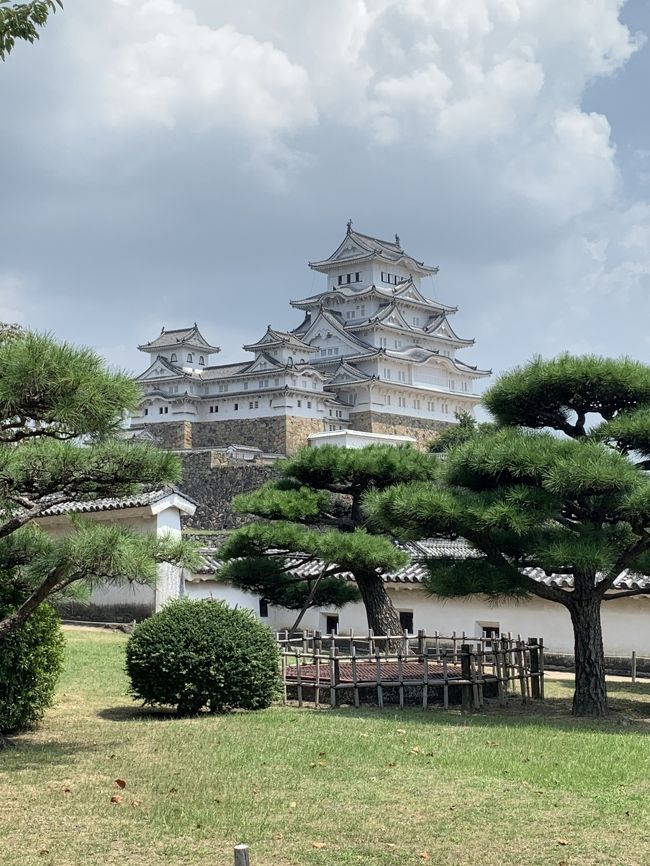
pixel 172 161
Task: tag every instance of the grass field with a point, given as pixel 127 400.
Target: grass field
pixel 306 787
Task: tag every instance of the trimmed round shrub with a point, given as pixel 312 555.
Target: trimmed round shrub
pixel 31 659
pixel 203 654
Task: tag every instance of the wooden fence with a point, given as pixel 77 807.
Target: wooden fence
pixel 336 668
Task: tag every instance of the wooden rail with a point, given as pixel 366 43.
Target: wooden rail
pixel 319 668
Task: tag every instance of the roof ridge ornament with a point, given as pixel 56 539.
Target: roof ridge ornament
pixel 349 226
pixel 397 241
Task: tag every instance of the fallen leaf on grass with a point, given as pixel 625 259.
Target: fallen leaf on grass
pixel 416 750
pixel 67 791
pixel 173 790
pixel 136 803
pixel 401 731
pixel 44 851
pixel 322 763
pixel 392 764
pixel 116 799
pixel 364 735
pixel 562 841
pixel 120 783
pixel 424 855
pixel 292 804
pixel 318 844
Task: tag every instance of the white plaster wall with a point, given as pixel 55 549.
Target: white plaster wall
pixel 625 623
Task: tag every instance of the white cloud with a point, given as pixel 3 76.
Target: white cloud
pixel 12 290
pixel 160 66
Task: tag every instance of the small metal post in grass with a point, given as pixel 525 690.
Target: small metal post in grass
pixel 241 855
pixel 633 666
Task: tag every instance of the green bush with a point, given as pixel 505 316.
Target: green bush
pixel 31 658
pixel 196 654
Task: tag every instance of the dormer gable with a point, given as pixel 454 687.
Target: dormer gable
pixel 161 369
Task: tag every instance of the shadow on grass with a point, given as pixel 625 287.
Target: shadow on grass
pixel 29 754
pixel 137 713
pixel 629 713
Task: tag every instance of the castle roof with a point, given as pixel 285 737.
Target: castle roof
pixel 357 247
pixel 180 337
pixel 405 291
pixel 273 337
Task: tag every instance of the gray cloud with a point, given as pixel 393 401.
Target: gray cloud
pixel 167 162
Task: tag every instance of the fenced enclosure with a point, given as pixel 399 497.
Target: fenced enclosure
pixel 415 669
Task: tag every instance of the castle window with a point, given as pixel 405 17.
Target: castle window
pixel 276 382
pixel 388 399
pixel 299 402
pixel 201 359
pixel 357 277
pixel 340 279
pixel 245 386
pixel 349 278
pixel 236 407
pixel 336 351
pixel 250 405
pixel 309 404
pixel 173 357
pixel 211 409
pixel 416 404
pixel 323 351
pixel 146 412
pixel 189 359
pixel 406 620
pixel 330 412
pixel 264 608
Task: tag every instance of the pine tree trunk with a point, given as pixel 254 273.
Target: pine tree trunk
pixel 590 698
pixel 382 617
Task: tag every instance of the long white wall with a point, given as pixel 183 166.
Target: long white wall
pixel 625 623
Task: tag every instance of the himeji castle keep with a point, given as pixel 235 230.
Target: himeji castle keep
pixel 372 353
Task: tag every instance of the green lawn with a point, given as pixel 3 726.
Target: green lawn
pixel 523 787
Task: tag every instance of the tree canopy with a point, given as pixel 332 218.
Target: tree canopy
pixel 315 531
pixel 60 409
pixel 22 21
pixel 533 502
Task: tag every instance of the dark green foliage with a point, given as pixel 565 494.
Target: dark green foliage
pixel 630 432
pixel 532 502
pixel 559 393
pixel 455 434
pixel 316 519
pixel 202 654
pixel 59 409
pixel 31 658
pixel 22 20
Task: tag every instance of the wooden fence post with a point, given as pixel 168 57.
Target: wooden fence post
pixel 533 649
pixel 241 855
pixel 465 669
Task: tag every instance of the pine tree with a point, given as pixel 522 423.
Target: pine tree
pixel 545 493
pixel 312 517
pixel 60 409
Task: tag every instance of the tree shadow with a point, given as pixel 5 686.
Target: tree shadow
pixel 627 716
pixel 137 712
pixel 29 754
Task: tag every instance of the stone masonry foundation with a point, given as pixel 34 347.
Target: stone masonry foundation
pixel 421 429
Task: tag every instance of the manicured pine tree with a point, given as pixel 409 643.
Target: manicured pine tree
pixel 60 409
pixel 558 488
pixel 313 515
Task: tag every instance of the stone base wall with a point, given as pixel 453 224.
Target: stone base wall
pixel 212 484
pixel 422 430
pixel 172 434
pixel 282 435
